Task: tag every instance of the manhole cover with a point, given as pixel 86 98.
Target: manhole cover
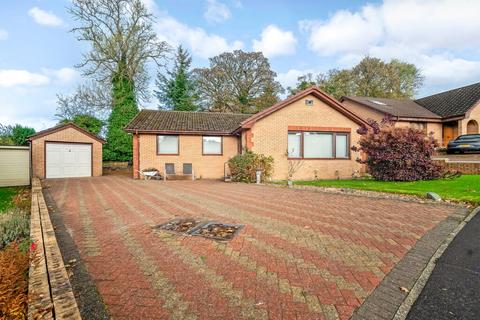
pixel 207 229
pixel 180 225
pixel 218 231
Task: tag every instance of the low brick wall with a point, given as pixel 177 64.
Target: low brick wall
pixel 49 290
pixel 115 164
pixel 465 167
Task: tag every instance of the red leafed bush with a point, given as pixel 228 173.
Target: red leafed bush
pixel 13 282
pixel 397 154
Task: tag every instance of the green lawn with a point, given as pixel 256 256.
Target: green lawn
pixel 6 195
pixel 464 188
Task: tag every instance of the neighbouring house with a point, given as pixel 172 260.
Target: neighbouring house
pixel 66 151
pixel 310 127
pixel 447 114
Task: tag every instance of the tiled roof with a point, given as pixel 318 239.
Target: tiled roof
pixel 454 102
pixel 63 126
pixel 185 122
pixel 394 107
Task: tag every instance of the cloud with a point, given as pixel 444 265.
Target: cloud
pixel 344 32
pixel 24 78
pixel 275 42
pixel 11 78
pixel 289 78
pixel 432 34
pixel 150 5
pixel 63 75
pixel 200 42
pixel 3 34
pixel 45 18
pixel 216 12
pixel 420 24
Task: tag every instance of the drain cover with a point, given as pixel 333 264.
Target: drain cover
pixel 207 229
pixel 218 231
pixel 180 225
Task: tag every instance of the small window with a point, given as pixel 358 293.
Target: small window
pixel 212 145
pixel 187 168
pixel 341 146
pixel 169 168
pixel 294 144
pixel 309 102
pixel 167 145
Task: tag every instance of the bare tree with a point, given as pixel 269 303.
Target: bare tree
pixel 88 99
pixel 237 82
pixel 122 41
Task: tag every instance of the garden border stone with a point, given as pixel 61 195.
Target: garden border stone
pixel 50 292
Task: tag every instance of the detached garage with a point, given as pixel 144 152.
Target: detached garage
pixel 66 151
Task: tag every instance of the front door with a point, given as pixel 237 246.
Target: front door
pixel 450 132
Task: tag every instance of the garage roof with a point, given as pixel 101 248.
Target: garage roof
pixel 64 126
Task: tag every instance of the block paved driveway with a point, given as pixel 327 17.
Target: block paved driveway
pixel 302 255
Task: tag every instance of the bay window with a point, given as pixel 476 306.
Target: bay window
pixel 318 145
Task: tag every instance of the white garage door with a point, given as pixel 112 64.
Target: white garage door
pixel 67 160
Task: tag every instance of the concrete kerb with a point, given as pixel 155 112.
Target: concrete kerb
pixel 417 288
pixel 50 292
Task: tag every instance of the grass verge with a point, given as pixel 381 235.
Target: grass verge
pixel 465 188
pixel 6 197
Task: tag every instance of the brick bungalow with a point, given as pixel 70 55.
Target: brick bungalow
pixel 447 114
pixel 309 127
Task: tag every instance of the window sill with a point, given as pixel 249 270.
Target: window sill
pixel 319 159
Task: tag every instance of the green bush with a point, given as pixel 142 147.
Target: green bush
pixel 14 225
pixel 87 122
pixel 243 167
pixel 20 134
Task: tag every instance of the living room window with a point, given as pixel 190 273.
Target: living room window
pixel 167 145
pixel 422 126
pixel 318 145
pixel 212 145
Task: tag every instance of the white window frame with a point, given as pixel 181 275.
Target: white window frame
pixel 334 142
pixel 168 153
pixel 212 153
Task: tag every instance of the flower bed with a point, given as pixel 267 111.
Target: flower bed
pixel 14 247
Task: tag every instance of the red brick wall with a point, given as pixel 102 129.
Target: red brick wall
pixel 463 167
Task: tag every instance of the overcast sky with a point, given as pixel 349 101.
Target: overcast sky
pixel 442 37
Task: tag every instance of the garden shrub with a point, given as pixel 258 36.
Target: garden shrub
pixel 243 167
pixel 14 265
pixel 14 225
pixel 397 154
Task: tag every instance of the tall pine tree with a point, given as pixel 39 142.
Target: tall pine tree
pixel 176 89
pixel 119 143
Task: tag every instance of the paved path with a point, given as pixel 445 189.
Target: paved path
pixel 302 255
pixel 453 289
